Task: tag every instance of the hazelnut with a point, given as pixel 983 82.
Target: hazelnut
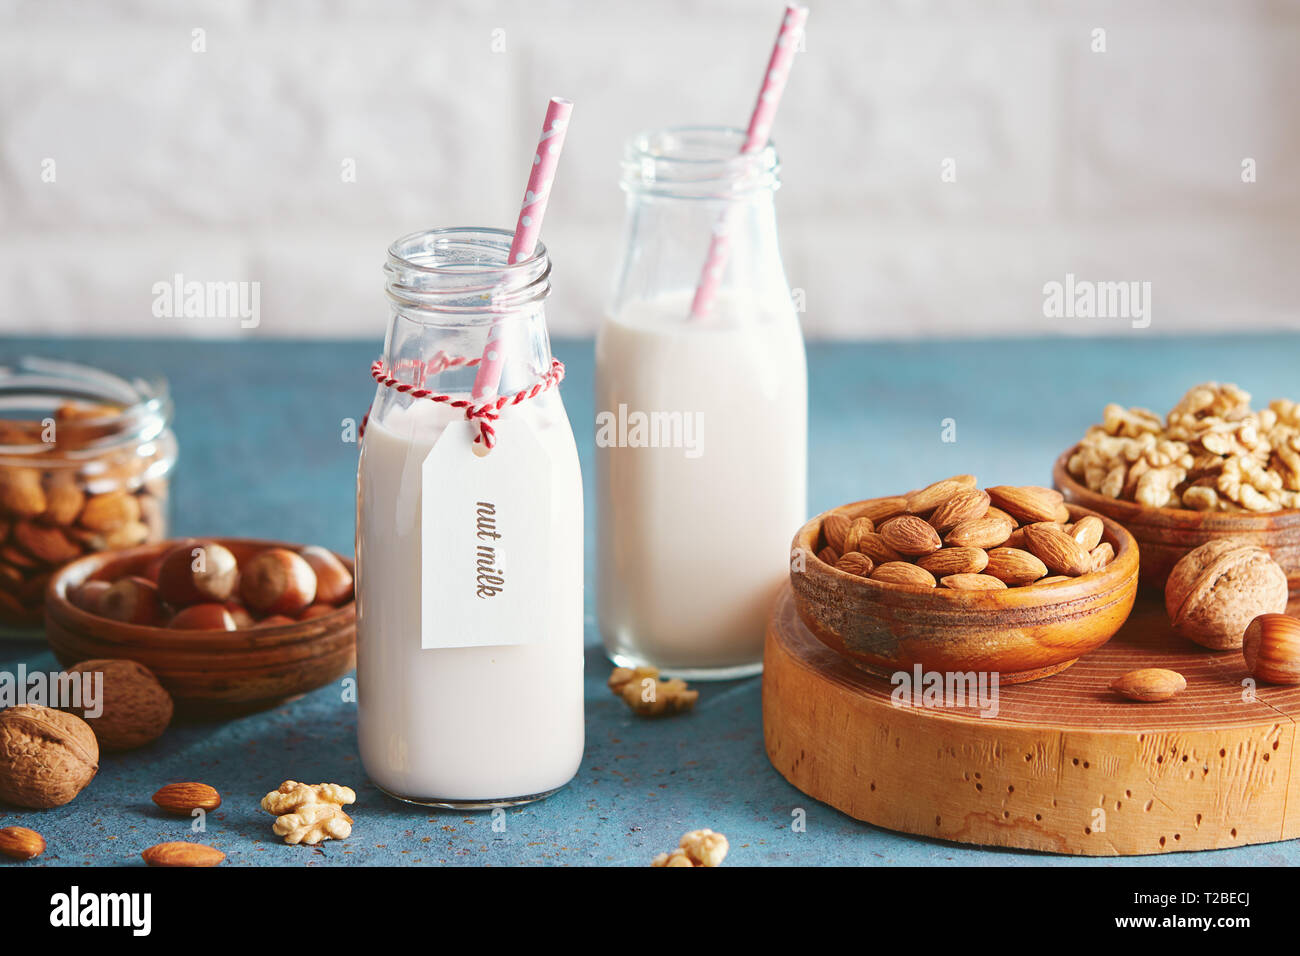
pixel 46 757
pixel 277 581
pixel 1272 648
pixel 333 579
pixel 136 708
pixel 197 572
pixel 131 600
pixel 203 617
pixel 1216 590
pixel 240 614
pixel 88 595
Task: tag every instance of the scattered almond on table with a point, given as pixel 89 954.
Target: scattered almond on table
pixel 20 843
pixel 182 799
pixel 182 854
pixel 954 535
pixel 1150 684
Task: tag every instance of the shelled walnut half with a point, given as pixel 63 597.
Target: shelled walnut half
pixel 1212 452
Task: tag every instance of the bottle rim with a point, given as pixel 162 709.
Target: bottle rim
pixel 30 382
pixel 698 162
pixel 463 271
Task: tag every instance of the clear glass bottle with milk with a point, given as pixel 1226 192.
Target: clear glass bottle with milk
pixel 469 560
pixel 701 427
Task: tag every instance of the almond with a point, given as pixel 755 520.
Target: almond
pixel 182 799
pixel 48 545
pixel 63 503
pixel 1027 503
pixel 909 535
pixel 108 512
pixel 1062 513
pixel 858 528
pixel 1056 549
pixel 1271 648
pixel 1102 555
pixel 877 549
pixel 20 843
pixel 1015 567
pixel 834 528
pixel 932 496
pixel 1087 531
pixel 855 563
pixel 828 555
pixel 983 533
pixel 963 506
pixel 999 513
pixel 1054 579
pixel 21 493
pixel 949 561
pixel 126 536
pixel 878 509
pixel 972 582
pixel 900 572
pixel 182 854
pixel 1150 684
pixel 1016 540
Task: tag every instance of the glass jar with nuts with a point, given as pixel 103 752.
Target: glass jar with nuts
pixel 84 463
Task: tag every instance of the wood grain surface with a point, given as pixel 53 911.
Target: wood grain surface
pixel 1065 766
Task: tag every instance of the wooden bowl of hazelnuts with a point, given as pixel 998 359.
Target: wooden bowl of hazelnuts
pixel 228 625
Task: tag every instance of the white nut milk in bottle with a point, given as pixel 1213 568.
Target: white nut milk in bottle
pixel 701 428
pixel 469 565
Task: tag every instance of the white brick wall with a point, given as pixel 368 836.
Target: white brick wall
pixel 226 165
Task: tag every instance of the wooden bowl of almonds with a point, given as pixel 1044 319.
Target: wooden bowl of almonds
pixel 955 578
pixel 1212 468
pixel 227 625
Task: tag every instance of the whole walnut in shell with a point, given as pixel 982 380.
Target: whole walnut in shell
pixel 136 708
pixel 46 756
pixel 1215 591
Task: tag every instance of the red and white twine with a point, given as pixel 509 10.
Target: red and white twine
pixel 481 413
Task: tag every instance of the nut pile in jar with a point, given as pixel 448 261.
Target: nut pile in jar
pixel 69 486
pixel 955 535
pixel 200 585
pixel 1212 452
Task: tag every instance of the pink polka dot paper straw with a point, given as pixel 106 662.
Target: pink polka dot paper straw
pixel 756 137
pixel 528 228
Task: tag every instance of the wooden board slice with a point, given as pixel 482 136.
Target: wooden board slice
pixel 1065 765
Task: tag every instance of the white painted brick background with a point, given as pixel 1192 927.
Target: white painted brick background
pixel 225 165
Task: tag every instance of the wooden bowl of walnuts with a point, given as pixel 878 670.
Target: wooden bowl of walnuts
pixel 228 625
pixel 1212 468
pixel 1164 535
pixel 955 578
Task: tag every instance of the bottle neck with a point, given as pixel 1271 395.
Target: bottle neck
pixel 685 188
pixel 452 291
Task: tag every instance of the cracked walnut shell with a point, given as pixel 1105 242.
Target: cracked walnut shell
pixel 47 757
pixel 1216 590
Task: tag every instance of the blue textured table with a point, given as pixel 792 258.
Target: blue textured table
pixel 261 455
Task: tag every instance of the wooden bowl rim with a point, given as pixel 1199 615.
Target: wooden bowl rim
pixel 197 639
pixel 1263 521
pixel 1115 576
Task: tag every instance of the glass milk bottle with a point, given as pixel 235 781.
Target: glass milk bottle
pixel 469 565
pixel 701 422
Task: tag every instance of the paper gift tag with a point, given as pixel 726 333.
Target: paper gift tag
pixel 485 531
